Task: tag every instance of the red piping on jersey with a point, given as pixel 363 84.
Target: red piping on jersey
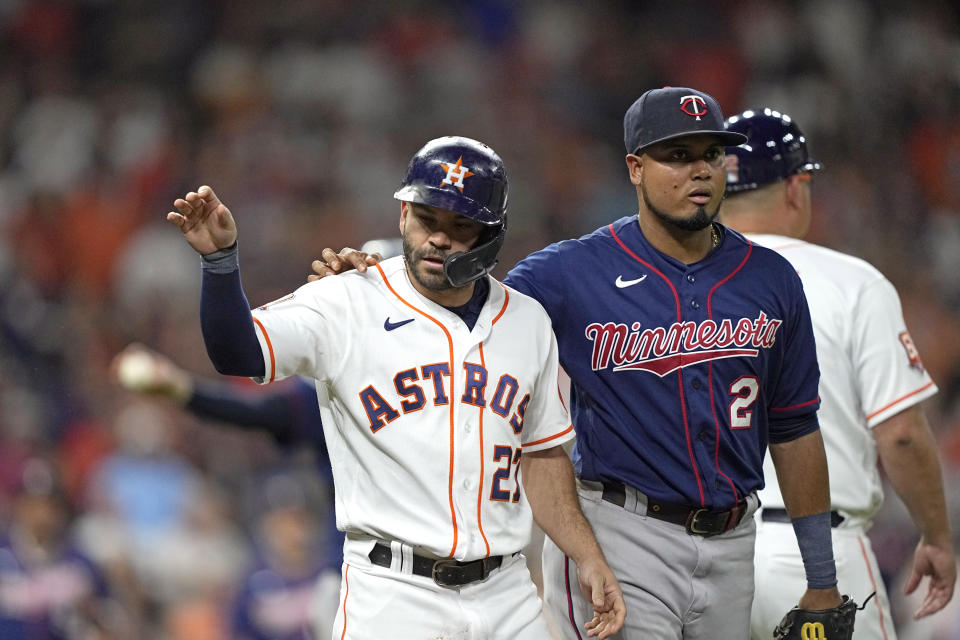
pixel 346 592
pixel 483 364
pixel 453 513
pixel 548 438
pixel 273 361
pixel 713 407
pixel 797 406
pixel 732 273
pixel 900 399
pixel 683 403
pixel 716 422
pixel 873 585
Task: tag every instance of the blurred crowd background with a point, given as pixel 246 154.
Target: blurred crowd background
pixel 302 115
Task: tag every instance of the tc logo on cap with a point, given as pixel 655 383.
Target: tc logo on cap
pixel 693 106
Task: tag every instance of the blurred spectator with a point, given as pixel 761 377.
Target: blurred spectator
pixel 277 597
pixel 50 590
pixel 152 512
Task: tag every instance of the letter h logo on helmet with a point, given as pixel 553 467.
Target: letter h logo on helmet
pixel 456 174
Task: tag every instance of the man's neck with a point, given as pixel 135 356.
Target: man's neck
pixel 686 246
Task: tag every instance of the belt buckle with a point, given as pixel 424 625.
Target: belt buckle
pixel 441 577
pixel 692 522
pixel 693 527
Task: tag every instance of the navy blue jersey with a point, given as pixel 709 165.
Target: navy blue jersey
pixel 274 606
pixel 680 374
pixel 48 600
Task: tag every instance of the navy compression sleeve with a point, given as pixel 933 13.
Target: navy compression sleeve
pixel 225 319
pixel 266 408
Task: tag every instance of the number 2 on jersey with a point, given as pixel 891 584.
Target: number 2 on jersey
pixel 497 492
pixel 745 390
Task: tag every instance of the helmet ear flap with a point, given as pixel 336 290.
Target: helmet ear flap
pixel 463 267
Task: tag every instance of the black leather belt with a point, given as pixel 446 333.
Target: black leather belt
pixel 699 521
pixel 781 515
pixel 445 572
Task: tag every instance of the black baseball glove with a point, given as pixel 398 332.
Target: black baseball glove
pixel 825 624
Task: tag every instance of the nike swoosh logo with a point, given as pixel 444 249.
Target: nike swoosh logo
pixel 390 326
pixel 621 283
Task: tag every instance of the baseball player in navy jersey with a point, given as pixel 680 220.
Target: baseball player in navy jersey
pixel 872 382
pixel 436 384
pixel 49 588
pixel 689 350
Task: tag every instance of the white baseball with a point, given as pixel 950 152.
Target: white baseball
pixel 136 371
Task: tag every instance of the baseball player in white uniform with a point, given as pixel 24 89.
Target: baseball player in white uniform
pixel 437 388
pixel 872 381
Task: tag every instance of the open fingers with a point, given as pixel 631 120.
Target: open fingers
pixel 330 259
pixel 937 597
pixel 320 270
pixel 608 618
pixel 355 258
pixel 209 196
pixel 192 210
pixel 604 625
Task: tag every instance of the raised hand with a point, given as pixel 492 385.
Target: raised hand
pixel 204 221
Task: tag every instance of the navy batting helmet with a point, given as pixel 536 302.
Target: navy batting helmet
pixel 467 177
pixel 775 149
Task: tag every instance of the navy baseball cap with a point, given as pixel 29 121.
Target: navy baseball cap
pixel 674 112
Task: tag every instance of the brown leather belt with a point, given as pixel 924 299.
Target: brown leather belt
pixel 699 521
pixel 445 572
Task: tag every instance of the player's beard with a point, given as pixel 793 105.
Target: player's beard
pixel 429 281
pixel 700 220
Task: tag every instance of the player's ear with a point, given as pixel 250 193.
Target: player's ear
pixel 404 207
pixel 635 168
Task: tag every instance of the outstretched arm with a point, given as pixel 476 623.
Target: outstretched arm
pixel 549 486
pixel 908 452
pixel 225 319
pixel 287 410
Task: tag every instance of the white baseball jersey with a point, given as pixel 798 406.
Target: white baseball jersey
pixel 425 420
pixel 869 368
